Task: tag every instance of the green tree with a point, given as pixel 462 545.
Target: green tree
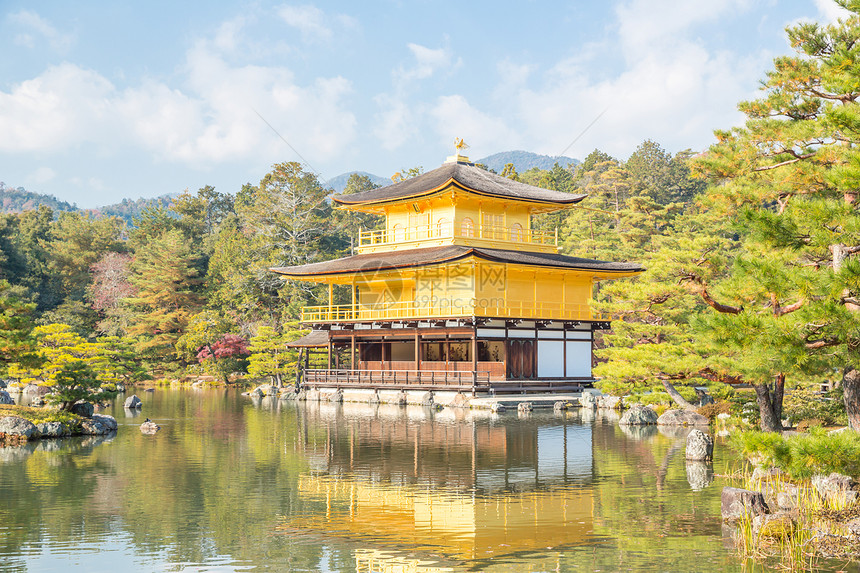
pixel 17 343
pixel 32 239
pixel 79 241
pixel 166 276
pixel 202 213
pixel 76 381
pixel 270 356
pixel 655 343
pixel 203 330
pixel 789 179
pixel 352 221
pixel 285 220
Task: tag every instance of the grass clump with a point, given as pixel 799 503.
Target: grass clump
pixel 40 415
pixel 804 455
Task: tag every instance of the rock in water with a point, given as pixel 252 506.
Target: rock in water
pixel 133 402
pixel 497 408
pixel 524 407
pixel 681 418
pixel 638 416
pixel 149 427
pixel 736 502
pixel 17 426
pixel 53 429
pixel 108 422
pixel 5 398
pixel 607 402
pixel 93 428
pixel 82 408
pixel 700 446
pixel 836 487
pixel 776 526
pixel 587 400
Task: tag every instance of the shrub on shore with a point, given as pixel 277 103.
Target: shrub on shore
pixel 39 415
pixel 803 455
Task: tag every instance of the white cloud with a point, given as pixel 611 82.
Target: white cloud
pixel 60 108
pixel 309 20
pixel 671 86
pixel 42 175
pixel 427 62
pixel 29 24
pixel 645 25
pixel 208 118
pixel 395 123
pixel 830 11
pixel 401 114
pixel 454 117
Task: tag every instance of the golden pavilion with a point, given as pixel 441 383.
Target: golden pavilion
pixel 457 292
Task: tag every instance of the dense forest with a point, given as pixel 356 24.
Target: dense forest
pixel 749 248
pixel 186 286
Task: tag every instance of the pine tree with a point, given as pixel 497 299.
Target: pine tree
pixel 789 179
pixel 165 274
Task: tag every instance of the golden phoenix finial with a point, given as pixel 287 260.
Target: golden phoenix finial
pixel 460 144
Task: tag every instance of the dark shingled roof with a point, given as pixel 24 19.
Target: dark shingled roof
pixel 466 175
pixel 371 262
pixel 313 339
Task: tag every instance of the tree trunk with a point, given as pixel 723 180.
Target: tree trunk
pixel 670 388
pixel 777 396
pixel 851 395
pixel 769 407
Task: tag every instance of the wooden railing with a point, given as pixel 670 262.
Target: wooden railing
pixel 413 310
pixel 449 230
pixel 440 379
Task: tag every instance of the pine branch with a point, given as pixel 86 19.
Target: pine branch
pixel 718 306
pixel 775 165
pixel 783 310
pixel 713 376
pixel 823 343
pixel 706 296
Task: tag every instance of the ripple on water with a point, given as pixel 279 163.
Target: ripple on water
pixel 233 485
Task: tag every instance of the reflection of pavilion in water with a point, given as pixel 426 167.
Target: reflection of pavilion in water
pixel 464 487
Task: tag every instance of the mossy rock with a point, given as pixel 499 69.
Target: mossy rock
pixel 777 526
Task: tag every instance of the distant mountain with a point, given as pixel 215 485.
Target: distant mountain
pixel 129 209
pixel 339 183
pixel 524 160
pixel 18 199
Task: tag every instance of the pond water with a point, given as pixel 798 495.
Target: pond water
pixel 235 484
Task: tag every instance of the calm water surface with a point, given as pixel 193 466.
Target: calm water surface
pixel 234 484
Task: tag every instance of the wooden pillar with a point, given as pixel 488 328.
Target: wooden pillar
pixel 299 369
pixel 329 353
pixel 474 359
pixel 352 352
pixel 417 351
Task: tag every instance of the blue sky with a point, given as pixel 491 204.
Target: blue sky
pixel 105 100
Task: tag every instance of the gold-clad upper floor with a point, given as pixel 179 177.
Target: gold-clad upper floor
pixel 458 204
